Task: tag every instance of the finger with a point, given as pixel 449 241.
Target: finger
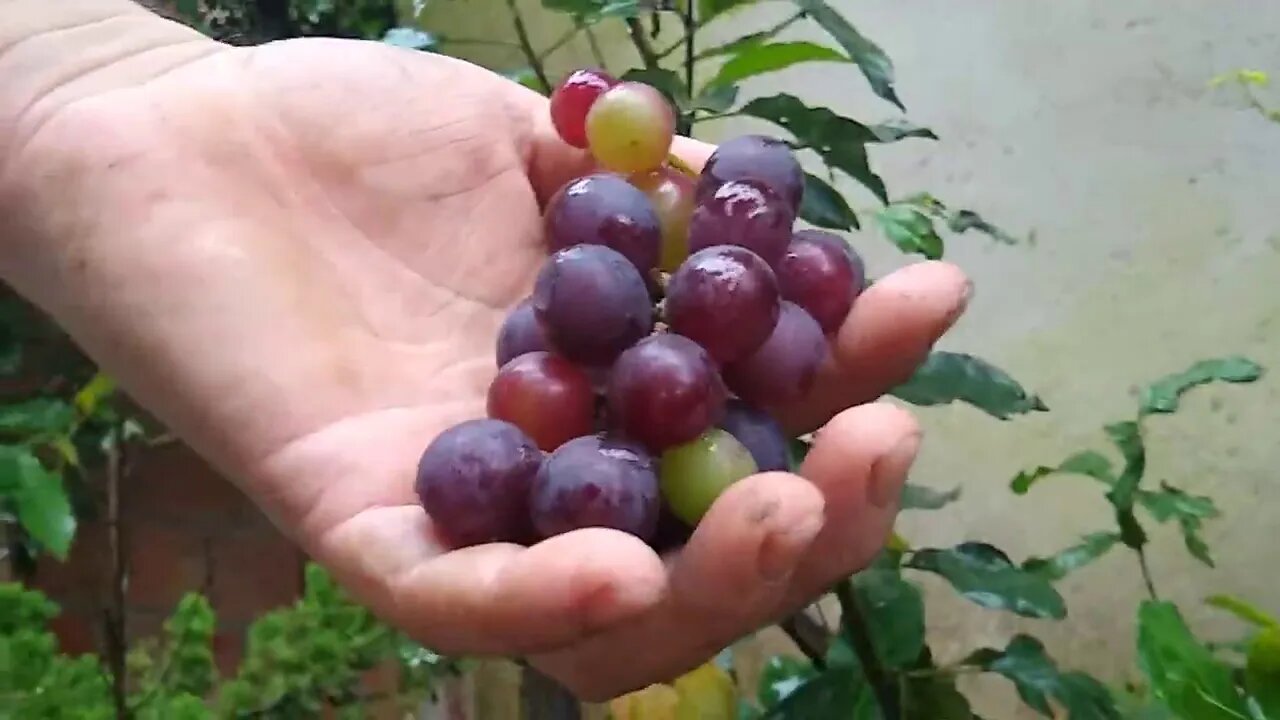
pixel 889 331
pixel 859 461
pixel 728 577
pixel 492 599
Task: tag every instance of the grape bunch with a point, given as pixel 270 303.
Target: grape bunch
pixel 672 315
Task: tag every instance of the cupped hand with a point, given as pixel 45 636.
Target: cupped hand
pixel 298 255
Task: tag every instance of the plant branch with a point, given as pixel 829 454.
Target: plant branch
pixel 595 46
pixel 810 635
pixel 522 34
pixel 542 698
pixel 641 41
pixel 116 643
pixel 690 31
pixel 858 634
pixel 1146 574
pixel 560 41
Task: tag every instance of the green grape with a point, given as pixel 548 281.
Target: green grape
pixel 693 475
pixel 630 128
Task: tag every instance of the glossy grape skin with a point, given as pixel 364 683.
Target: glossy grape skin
pixel 605 209
pixel 474 480
pixel 591 303
pixel 759 433
pixel 520 333
pixel 783 369
pixel 595 481
pixel 664 391
pixel 754 157
pixel 630 128
pixel 819 273
pixel 572 100
pixel 746 213
pixel 725 298
pixel 546 396
pixel 693 475
pixel 671 194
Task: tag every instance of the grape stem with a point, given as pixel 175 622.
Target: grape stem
pixel 522 34
pixel 853 623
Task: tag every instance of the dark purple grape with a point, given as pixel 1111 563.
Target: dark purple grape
pixel 520 333
pixel 821 274
pixel 591 303
pixel 725 298
pixel 593 481
pixel 746 213
pixel 783 368
pixel 754 157
pixel 474 480
pixel 604 209
pixel 759 432
pixel 664 391
pixel 546 396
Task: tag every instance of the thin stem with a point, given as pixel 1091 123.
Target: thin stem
pixel 859 635
pixel 478 41
pixel 809 635
pixel 116 631
pixel 595 46
pixel 1146 574
pixel 686 18
pixel 946 670
pixel 560 41
pixel 526 46
pixel 641 41
pixel 542 698
pixel 713 116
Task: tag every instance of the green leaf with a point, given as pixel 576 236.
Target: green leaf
pixel 708 9
pixel 43 415
pixel 1183 674
pixel 985 576
pixel 782 675
pixel 797 450
pixel 1170 502
pixel 840 141
pixel 1056 567
pixel 1195 544
pixel 919 497
pixel 1262 672
pixel 1127 436
pixel 716 98
pixel 770 57
pixel 43 508
pixel 1087 462
pixel 947 377
pixel 895 130
pixel 1162 396
pixel 840 692
pixel 98 389
pixel 911 230
pixel 965 220
pixel 1038 681
pixel 822 206
pixel 1243 609
pixel 895 615
pixel 409 37
pixel 875 65
pixel 666 81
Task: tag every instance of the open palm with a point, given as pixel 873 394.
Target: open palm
pixel 298 256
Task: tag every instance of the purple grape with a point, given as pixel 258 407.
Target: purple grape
pixel 821 274
pixel 725 298
pixel 746 213
pixel 665 391
pixel 474 480
pixel 759 433
pixel 781 370
pixel 520 333
pixel 591 303
pixel 593 481
pixel 604 209
pixel 754 157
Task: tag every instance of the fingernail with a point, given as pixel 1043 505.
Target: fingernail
pixel 889 470
pixel 961 305
pixel 782 546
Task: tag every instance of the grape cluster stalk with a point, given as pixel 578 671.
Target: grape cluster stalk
pixel 673 316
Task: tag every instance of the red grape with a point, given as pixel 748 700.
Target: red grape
pixel 592 303
pixel 746 213
pixel 572 100
pixel 604 209
pixel 819 273
pixel 671 194
pixel 546 396
pixel 665 391
pixel 759 432
pixel 693 475
pixel 630 128
pixel 595 481
pixel 783 368
pixel 474 480
pixel 520 333
pixel 754 157
pixel 725 298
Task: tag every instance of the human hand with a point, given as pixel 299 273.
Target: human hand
pixel 297 256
